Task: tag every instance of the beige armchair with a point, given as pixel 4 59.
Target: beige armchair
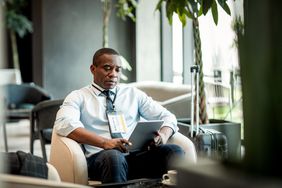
pixel 174 97
pixel 68 158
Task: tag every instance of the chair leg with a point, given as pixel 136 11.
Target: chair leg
pixel 32 134
pixel 5 137
pixel 31 143
pixel 42 142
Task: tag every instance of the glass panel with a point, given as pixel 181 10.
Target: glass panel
pixel 177 50
pixel 220 62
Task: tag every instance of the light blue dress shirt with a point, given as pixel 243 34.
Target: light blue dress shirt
pixel 86 108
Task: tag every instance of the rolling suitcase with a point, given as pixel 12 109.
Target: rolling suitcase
pixel 208 142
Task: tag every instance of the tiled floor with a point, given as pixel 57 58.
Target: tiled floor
pixel 18 138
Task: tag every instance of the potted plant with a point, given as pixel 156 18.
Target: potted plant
pixel 125 8
pixel 17 25
pixel 193 9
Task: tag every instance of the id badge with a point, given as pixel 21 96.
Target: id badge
pixel 117 122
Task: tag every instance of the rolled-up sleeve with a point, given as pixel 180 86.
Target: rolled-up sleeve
pixel 68 116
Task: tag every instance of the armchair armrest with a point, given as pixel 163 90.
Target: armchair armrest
pixel 68 158
pixel 186 144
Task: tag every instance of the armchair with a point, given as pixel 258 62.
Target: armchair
pixel 19 99
pixel 73 166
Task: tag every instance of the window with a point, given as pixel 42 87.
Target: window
pixel 177 50
pixel 219 55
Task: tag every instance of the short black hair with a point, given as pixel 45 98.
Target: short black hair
pixel 103 51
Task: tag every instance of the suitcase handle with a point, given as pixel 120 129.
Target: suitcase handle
pixel 195 70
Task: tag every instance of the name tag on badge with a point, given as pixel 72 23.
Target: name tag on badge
pixel 117 122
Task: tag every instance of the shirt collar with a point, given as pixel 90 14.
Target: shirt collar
pixel 98 89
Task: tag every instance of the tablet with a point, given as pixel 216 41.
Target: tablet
pixel 143 134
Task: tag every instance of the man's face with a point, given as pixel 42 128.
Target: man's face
pixel 107 71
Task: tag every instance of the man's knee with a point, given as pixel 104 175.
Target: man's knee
pixel 113 166
pixel 172 149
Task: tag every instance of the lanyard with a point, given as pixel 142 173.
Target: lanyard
pixel 112 101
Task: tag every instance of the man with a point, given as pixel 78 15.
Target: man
pixel 84 115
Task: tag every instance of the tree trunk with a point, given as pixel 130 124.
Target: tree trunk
pixel 15 53
pixel 107 8
pixel 198 61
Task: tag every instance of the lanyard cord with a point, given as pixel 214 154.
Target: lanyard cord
pixel 113 101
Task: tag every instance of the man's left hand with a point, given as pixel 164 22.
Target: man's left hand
pixel 162 136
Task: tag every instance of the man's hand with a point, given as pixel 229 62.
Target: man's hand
pixel 162 136
pixel 116 143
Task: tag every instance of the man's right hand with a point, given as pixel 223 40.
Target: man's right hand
pixel 116 143
pixel 81 135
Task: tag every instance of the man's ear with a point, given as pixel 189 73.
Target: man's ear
pixel 92 68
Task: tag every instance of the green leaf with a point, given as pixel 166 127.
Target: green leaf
pixel 200 12
pixel 227 9
pixel 159 5
pixel 215 12
pixel 188 13
pixel 169 10
pixel 221 2
pixel 194 6
pixel 182 18
pixel 206 5
pixel 134 3
pixel 126 8
pixel 225 6
pixel 18 23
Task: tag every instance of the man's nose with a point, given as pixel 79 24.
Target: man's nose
pixel 114 73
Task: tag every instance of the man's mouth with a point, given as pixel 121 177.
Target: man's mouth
pixel 111 82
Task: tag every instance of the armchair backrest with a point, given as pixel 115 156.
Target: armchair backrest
pixel 162 91
pixel 174 97
pixel 42 119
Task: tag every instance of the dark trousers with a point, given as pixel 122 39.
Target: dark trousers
pixel 113 166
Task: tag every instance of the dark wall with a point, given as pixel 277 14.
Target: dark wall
pixel 67 33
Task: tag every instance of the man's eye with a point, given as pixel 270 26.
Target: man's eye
pixel 118 69
pixel 107 68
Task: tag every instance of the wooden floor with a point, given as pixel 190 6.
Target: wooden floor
pixel 18 138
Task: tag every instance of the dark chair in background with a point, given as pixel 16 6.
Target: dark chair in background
pixel 19 99
pixel 43 116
